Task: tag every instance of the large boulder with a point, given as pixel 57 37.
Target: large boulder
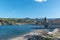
pixel 56 30
pixel 33 37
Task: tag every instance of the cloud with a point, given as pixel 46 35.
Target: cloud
pixel 40 0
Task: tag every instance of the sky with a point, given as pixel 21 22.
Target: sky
pixel 29 8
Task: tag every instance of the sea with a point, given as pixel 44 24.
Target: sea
pixel 10 31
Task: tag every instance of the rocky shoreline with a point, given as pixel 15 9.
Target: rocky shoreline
pixel 38 35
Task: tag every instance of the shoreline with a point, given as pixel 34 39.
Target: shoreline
pixel 22 37
pixel 39 33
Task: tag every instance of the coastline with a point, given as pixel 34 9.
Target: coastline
pixel 25 36
pixel 38 33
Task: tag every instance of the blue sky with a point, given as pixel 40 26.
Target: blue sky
pixel 29 8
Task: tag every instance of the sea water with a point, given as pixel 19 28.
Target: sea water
pixel 9 31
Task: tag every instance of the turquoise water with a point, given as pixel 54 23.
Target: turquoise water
pixel 7 31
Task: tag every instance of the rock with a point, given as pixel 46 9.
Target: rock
pixel 34 37
pixel 56 30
